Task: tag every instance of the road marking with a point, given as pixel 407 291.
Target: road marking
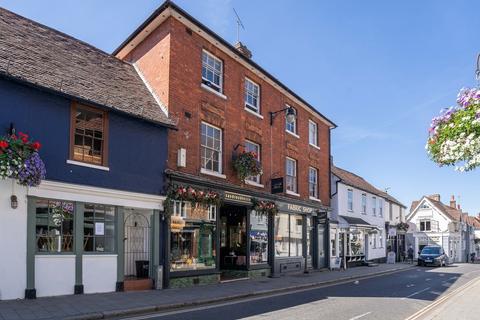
pixel 428 279
pixel 410 285
pixel 436 303
pixel 360 316
pixel 415 293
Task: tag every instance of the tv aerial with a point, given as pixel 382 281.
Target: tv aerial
pixel 239 24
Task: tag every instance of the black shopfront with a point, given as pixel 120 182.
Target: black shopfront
pixel 232 241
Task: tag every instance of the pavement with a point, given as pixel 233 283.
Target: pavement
pixel 392 296
pixel 116 304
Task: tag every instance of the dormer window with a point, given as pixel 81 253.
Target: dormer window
pixel 212 71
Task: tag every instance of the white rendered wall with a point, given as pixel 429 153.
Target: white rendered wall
pixel 99 273
pixel 54 274
pixel 13 236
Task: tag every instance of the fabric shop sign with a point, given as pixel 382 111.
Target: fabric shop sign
pixel 294 208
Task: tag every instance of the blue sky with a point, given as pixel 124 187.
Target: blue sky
pixel 379 69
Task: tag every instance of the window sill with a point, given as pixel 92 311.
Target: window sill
pixel 219 94
pixel 213 173
pixel 88 165
pixel 256 114
pixel 253 183
pixel 292 193
pixel 293 134
pixel 315 199
pixel 314 146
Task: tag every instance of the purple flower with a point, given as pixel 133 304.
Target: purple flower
pixel 32 172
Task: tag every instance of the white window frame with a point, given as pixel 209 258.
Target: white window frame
pixel 374 206
pixel 311 182
pixel 249 106
pixel 380 207
pixel 314 141
pixel 364 203
pixel 350 199
pixel 212 212
pixel 294 132
pixel 180 209
pixel 207 82
pixel 220 152
pixel 255 179
pixel 294 176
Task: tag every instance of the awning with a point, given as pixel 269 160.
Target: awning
pixel 345 222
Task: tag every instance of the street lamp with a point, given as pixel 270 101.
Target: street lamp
pixel 290 114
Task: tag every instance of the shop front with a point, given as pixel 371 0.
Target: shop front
pixel 242 234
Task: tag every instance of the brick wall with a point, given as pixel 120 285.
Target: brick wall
pixel 191 104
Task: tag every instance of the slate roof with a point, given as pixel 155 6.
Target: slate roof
pixel 354 220
pixel 46 58
pixel 355 181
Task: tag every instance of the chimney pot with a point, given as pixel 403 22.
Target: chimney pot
pixel 453 203
pixel 243 50
pixel 435 197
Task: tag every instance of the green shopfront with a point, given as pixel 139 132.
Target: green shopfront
pixel 216 242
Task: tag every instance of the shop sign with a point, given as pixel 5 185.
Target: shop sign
pixel 237 197
pixel 322 217
pixel 277 185
pixel 282 206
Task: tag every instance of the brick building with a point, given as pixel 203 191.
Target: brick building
pixel 225 104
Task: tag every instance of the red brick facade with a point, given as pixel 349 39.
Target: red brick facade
pixel 170 59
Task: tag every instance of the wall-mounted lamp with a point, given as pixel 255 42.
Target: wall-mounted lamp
pixel 14 202
pixel 290 114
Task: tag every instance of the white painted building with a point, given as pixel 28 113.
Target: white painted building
pixel 434 223
pixel 357 228
pixel 56 273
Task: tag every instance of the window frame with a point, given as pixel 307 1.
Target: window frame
pixel 295 177
pixel 380 207
pixel 310 182
pixel 249 106
pixel 220 155
pixel 105 150
pixel 258 152
pixel 218 88
pixel 350 200
pixel 94 237
pixel 364 203
pixel 295 129
pixel 315 143
pixel 374 206
pixel 182 207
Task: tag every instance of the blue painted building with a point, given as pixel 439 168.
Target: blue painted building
pixel 94 223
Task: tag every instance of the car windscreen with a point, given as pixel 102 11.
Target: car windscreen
pixel 431 250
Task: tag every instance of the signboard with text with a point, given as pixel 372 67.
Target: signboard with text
pixel 277 185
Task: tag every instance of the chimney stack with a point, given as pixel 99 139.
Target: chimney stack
pixel 453 203
pixel 243 50
pixel 435 197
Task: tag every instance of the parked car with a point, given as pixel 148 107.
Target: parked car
pixel 433 255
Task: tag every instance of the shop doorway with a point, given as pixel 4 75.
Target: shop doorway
pixel 233 241
pixel 322 261
pixel 137 251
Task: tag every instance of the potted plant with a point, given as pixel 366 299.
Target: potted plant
pixel 264 207
pixel 246 164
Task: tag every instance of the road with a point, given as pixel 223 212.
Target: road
pixel 394 296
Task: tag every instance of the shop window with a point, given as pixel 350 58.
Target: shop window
pixel 99 228
pixel 258 238
pixel 211 148
pixel 54 226
pixel 333 242
pixel 252 96
pixel 291 173
pixel 180 209
pixel 356 243
pixel 288 235
pixel 212 71
pixel 192 242
pixel 88 135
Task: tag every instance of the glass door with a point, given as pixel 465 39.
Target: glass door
pixel 322 263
